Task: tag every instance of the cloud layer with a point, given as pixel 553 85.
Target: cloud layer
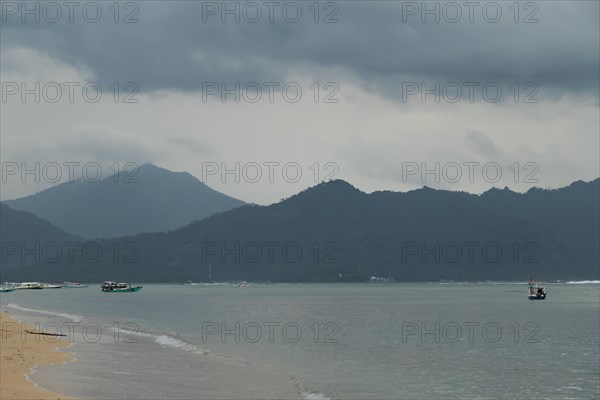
pixel 379 56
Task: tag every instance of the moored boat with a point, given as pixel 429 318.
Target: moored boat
pixel 51 286
pixel 115 287
pixel 536 292
pixel 26 285
pixel 74 285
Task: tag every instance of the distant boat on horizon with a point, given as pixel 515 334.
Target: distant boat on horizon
pixel 380 279
pixel 74 285
pixel 536 292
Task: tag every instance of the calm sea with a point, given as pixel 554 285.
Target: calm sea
pixel 322 341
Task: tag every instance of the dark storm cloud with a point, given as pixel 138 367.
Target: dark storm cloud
pixel 171 48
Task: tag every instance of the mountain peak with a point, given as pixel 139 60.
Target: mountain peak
pixel 155 168
pixel 147 198
pixel 337 186
pixel 336 191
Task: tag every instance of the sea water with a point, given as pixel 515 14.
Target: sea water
pixel 320 341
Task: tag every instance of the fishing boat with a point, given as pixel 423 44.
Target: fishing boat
pixel 73 285
pixel 51 286
pixel 114 287
pixel 380 279
pixel 27 285
pixel 536 292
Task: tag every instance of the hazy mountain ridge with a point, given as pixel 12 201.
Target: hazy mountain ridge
pixel 151 200
pixel 21 232
pixel 552 234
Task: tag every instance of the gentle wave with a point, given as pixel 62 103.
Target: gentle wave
pixel 172 342
pixel 314 396
pixel 307 395
pixel 208 284
pixel 481 283
pixel 72 317
pixel 583 282
pixel 168 341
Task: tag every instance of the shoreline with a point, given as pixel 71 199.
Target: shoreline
pixel 22 353
pixel 179 353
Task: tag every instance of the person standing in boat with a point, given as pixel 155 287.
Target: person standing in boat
pixel 531 288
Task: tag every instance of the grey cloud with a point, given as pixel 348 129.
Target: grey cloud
pixel 481 144
pixel 192 145
pixel 171 48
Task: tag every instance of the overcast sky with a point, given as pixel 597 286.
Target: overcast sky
pixel 509 88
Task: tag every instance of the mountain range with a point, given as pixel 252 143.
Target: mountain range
pixel 334 232
pixel 22 231
pixel 149 199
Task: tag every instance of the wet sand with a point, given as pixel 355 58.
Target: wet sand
pixel 20 352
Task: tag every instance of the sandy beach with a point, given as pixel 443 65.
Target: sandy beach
pixel 21 351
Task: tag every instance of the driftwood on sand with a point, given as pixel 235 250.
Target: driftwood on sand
pixel 45 333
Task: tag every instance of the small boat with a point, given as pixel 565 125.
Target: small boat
pixel 74 285
pixel 6 290
pixel 51 286
pixel 380 279
pixel 27 285
pixel 536 292
pixel 114 287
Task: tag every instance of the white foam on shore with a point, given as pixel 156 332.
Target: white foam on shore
pixel 72 317
pixel 34 370
pixel 583 282
pixel 168 341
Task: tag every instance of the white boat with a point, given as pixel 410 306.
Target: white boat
pixel 379 279
pixel 26 285
pixel 51 286
pixel 74 285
